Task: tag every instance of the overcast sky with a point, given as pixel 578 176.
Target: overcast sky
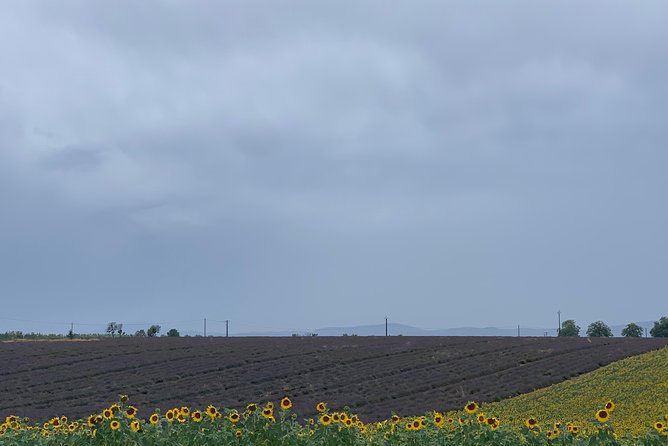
pixel 294 165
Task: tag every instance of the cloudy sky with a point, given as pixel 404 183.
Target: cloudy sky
pixel 294 165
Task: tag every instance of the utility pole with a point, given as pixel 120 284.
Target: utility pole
pixel 385 326
pixel 645 331
pixel 227 328
pixel 205 327
pixel 518 331
pixel 559 327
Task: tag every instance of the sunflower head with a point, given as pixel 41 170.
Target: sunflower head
pixel 321 407
pixel 115 424
pixel 211 411
pixel 123 398
pixel 659 426
pixel 325 420
pixel 135 426
pixel 602 415
pixel 154 418
pixel 197 416
pixel 531 422
pixel 286 403
pixel 233 417
pixel 471 407
pixel 609 406
pixel 130 412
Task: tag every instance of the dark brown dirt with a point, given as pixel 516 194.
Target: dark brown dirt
pixel 372 375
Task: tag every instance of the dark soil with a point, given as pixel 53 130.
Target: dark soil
pixel 372 375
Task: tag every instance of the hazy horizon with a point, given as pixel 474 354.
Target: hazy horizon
pixel 311 164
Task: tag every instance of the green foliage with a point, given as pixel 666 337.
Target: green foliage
pixel 173 333
pixel 660 329
pixel 140 333
pixel 569 328
pixel 599 329
pixel 153 331
pixel 112 328
pixel 632 330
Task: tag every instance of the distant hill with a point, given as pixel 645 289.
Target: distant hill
pixel 408 330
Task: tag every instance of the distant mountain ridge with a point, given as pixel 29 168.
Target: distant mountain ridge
pixel 395 329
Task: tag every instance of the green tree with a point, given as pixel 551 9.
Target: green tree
pixel 660 329
pixel 112 328
pixel 632 331
pixel 153 331
pixel 569 328
pixel 173 333
pixel 140 333
pixel 599 329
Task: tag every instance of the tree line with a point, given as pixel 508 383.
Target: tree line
pixel 114 328
pixel 601 329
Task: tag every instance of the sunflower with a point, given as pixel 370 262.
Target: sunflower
pixel 609 406
pixel 115 408
pixel 417 424
pixel 211 411
pixel 123 398
pixel 169 415
pixel 286 403
pixel 181 418
pixel 602 415
pixel 92 420
pixel 153 419
pixel 115 424
pixel 491 421
pixel 325 420
pixel 321 407
pixel 471 407
pixel 269 405
pixel 659 426
pixel 233 417
pixel 238 433
pixel 107 414
pixel 550 435
pixel 348 422
pixel 438 419
pixel 268 413
pixel 531 422
pixel 395 418
pixel 481 417
pixel 336 417
pixel 197 416
pixel 72 427
pixel 130 412
pixel 252 407
pixel 135 426
pixel 343 417
pixel 185 411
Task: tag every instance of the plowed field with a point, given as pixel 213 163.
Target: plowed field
pixel 372 375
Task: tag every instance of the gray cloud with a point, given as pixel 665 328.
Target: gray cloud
pixel 307 164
